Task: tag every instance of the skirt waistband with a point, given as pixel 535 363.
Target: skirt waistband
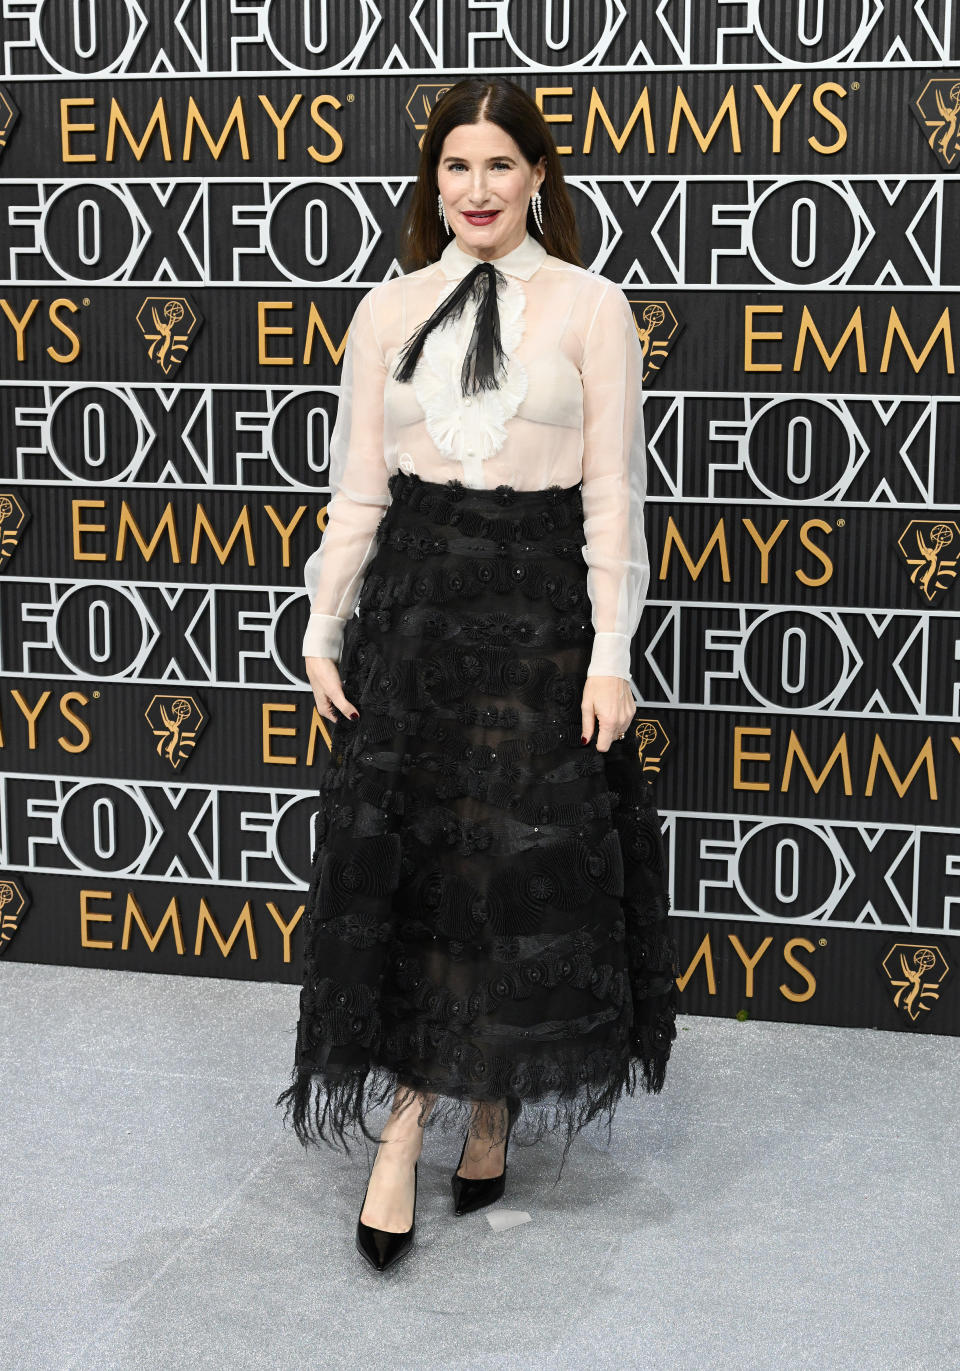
pixel 409 489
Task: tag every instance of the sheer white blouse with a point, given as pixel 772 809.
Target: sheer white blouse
pixel 567 412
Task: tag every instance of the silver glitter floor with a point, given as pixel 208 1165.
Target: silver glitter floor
pixel 789 1201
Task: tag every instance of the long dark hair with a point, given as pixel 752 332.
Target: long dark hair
pixel 423 236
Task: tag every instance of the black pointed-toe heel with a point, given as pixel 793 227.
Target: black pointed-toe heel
pixel 469 1194
pixel 380 1247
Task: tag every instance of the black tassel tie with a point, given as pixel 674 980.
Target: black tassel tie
pixel 484 359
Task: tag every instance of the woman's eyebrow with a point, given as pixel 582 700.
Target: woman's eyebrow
pixel 499 157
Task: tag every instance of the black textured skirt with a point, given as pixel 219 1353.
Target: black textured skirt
pixel 488 910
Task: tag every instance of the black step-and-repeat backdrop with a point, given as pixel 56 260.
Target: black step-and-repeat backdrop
pixel 195 199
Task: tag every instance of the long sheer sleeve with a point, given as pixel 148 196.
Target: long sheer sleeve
pixel 333 574
pixel 614 484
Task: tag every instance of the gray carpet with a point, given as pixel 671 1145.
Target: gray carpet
pixel 790 1200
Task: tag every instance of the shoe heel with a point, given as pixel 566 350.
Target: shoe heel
pixel 381 1248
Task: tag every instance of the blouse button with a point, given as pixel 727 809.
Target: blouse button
pixel 468 401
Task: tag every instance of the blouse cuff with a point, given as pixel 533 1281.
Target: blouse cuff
pixel 324 636
pixel 610 656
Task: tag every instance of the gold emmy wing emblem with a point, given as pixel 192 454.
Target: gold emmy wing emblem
pixel 9 115
pixel 175 720
pixel 916 972
pixel 168 323
pixel 12 904
pixel 652 743
pixel 658 329
pixel 13 518
pixel 930 549
pixel 937 108
pixel 420 104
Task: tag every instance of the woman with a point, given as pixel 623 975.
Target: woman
pixel 486 926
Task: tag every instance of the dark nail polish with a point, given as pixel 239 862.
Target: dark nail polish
pixel 354 715
pixel 582 739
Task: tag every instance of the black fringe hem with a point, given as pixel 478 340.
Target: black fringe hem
pixel 325 1110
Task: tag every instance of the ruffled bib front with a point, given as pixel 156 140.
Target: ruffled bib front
pixel 470 428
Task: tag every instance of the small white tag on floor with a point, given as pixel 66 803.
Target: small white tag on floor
pixel 500 1219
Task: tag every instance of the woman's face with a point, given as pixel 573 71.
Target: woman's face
pixel 486 184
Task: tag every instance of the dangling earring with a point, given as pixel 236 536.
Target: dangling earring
pixel 537 211
pixel 442 215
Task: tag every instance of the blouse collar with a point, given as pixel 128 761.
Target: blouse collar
pixel 522 261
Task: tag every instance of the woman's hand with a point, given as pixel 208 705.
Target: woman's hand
pixel 324 677
pixel 607 700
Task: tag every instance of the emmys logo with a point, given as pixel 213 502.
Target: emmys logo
pixel 917 974
pixel 176 721
pixel 924 543
pixel 167 322
pixel 12 904
pixel 8 117
pixel 420 104
pixel 652 743
pixel 12 521
pixel 658 329
pixel 937 108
